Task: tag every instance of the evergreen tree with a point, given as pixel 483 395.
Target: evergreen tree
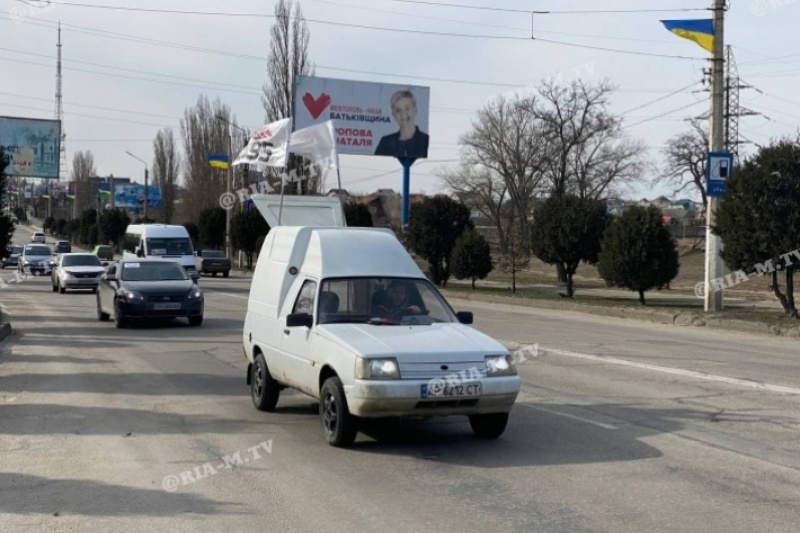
pixel 638 252
pixel 357 215
pixel 472 257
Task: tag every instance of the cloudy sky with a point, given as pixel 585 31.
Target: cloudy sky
pixel 129 73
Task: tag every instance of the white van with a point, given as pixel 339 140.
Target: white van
pixel 160 241
pixel 346 316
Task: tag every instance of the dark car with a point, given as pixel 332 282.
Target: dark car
pixel 62 247
pixel 213 262
pixel 148 288
pixel 12 256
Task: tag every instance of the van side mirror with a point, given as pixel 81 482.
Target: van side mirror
pixel 139 252
pixel 111 277
pixel 465 317
pixel 299 320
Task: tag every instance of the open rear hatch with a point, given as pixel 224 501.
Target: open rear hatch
pixel 313 211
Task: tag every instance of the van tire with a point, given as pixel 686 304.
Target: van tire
pixel 340 427
pixel 264 390
pixel 226 273
pixel 489 426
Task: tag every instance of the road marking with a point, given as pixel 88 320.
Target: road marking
pixel 229 295
pixel 675 371
pixel 574 417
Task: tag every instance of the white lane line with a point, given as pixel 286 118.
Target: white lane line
pixel 574 417
pixel 674 371
pixel 229 295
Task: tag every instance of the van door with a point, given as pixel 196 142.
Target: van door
pixel 296 342
pixel 314 211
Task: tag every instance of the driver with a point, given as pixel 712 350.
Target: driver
pixel 397 305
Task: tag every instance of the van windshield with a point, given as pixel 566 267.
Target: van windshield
pixel 169 246
pixel 382 301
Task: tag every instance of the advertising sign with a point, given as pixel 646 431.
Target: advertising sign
pixel 370 118
pixel 34 146
pixel 132 196
pixel 719 167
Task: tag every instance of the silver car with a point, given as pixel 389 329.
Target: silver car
pixel 35 258
pixel 76 271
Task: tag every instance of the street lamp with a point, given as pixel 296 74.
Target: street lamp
pixel 146 175
pixel 228 245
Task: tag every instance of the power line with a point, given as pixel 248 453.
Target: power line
pixel 400 30
pixel 664 114
pixel 660 99
pixel 228 54
pixel 528 11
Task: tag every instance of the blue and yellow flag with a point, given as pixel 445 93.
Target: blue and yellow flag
pixel 70 196
pixel 219 161
pixel 700 31
pixel 45 197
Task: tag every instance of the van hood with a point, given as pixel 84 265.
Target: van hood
pixel 449 342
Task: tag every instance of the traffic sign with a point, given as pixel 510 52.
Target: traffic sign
pixel 718 170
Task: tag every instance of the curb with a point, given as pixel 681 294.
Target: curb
pixel 653 316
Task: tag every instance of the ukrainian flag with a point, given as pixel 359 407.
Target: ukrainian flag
pixel 70 197
pixel 45 197
pixel 699 31
pixel 219 161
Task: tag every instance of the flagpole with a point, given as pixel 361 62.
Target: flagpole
pixel 285 170
pixel 714 267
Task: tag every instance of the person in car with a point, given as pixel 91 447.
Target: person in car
pixel 397 304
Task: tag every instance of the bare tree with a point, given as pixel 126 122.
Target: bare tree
pixel 685 160
pixel 505 142
pixel 166 171
pixel 83 170
pixel 204 130
pixel 588 152
pixel 516 257
pixel 288 58
pixel 486 192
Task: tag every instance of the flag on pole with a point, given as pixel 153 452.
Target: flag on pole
pixel 45 196
pixel 219 161
pixel 267 146
pixel 316 142
pixel 700 31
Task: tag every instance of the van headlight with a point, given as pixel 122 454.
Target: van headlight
pixel 377 368
pixel 500 365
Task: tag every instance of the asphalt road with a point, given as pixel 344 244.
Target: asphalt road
pixel 622 427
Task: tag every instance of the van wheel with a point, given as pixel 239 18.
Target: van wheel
pixel 339 425
pixel 61 289
pixel 196 320
pixel 226 273
pixel 489 426
pixel 263 388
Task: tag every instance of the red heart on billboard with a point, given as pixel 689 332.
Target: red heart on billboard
pixel 316 106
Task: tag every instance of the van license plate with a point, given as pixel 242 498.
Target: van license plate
pixel 165 307
pixel 465 390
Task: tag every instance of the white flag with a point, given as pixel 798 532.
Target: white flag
pixel 267 146
pixel 316 142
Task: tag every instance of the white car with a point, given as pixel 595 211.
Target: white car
pixel 346 316
pixel 76 271
pixel 38 238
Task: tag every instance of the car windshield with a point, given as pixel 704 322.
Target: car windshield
pixel 81 260
pixel 169 246
pixel 16 250
pixel 214 254
pixel 153 272
pixel 382 301
pixel 38 250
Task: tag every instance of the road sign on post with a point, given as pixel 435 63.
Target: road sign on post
pixel 718 170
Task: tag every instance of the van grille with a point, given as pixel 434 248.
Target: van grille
pixel 433 370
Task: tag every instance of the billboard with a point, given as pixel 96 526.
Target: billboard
pixel 34 146
pixel 132 196
pixel 370 118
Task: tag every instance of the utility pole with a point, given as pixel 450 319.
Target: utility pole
pixel 228 243
pixel 714 267
pixel 146 200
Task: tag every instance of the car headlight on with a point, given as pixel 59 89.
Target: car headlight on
pixel 68 275
pixel 196 294
pixel 500 365
pixel 26 262
pixel 377 368
pixel 133 296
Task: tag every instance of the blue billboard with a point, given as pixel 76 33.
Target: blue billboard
pixel 132 196
pixel 34 146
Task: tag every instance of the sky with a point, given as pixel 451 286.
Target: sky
pixel 128 74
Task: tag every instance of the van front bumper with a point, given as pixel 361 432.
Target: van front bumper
pixel 376 399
